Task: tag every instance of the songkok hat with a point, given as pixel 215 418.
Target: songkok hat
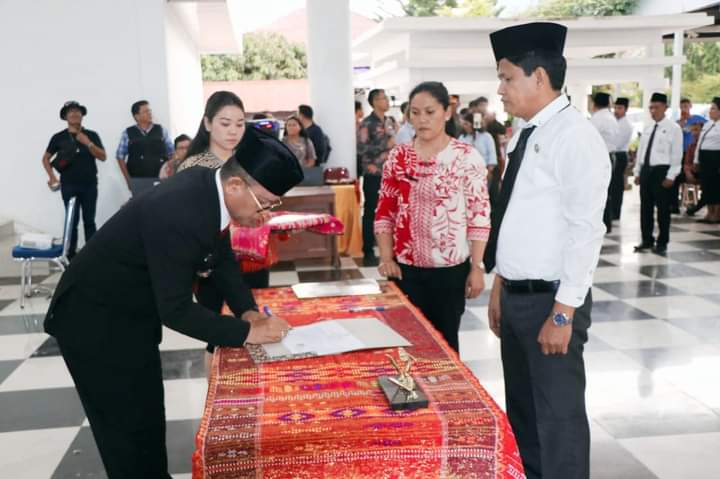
pixel 520 39
pixel 716 100
pixel 659 97
pixel 622 101
pixel 601 99
pixel 268 161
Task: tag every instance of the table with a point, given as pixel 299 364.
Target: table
pixel 304 244
pixel 347 210
pixel 326 417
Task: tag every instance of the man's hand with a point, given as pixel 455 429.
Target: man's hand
pixel 637 180
pixel 251 316
pixel 53 183
pixel 475 283
pixel 667 183
pixel 494 307
pixel 82 138
pixel 554 339
pixel 267 329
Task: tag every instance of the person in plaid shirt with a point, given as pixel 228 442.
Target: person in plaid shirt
pixel 376 137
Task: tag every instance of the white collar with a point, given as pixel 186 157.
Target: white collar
pixel 224 213
pixel 550 110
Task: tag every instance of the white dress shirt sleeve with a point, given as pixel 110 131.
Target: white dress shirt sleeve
pixel 676 152
pixel 584 185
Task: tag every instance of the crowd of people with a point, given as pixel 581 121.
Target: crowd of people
pixel 449 194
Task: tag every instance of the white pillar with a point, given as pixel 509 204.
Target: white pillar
pixel 578 93
pixel 677 72
pixel 330 75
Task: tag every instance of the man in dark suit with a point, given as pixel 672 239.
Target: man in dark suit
pixel 138 273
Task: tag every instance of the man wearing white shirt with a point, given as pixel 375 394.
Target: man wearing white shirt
pixel 546 236
pixel 622 145
pixel 659 159
pixel 606 124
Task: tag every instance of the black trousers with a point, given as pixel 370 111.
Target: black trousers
pixel 371 189
pixel 87 202
pixel 545 395
pixel 121 390
pixel 710 176
pixel 654 195
pixel 617 183
pixel 440 294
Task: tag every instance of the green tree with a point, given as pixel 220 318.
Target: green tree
pixel 425 8
pixel 582 8
pixel 266 56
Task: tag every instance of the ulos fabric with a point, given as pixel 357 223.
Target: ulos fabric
pixel 327 417
pixel 254 246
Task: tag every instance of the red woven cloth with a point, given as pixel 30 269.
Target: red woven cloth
pixel 326 417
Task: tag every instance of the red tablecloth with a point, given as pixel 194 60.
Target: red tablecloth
pixel 326 417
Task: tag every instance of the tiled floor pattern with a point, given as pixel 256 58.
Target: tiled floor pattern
pixel 653 365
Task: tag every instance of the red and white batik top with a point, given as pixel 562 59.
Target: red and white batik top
pixel 434 208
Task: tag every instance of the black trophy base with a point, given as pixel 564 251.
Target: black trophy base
pixel 399 398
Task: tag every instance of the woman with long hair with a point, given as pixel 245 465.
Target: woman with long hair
pixel 296 138
pixel 221 129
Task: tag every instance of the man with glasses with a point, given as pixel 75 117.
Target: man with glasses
pixel 138 274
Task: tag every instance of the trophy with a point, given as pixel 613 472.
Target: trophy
pixel 402 391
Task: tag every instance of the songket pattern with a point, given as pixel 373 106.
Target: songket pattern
pixel 326 417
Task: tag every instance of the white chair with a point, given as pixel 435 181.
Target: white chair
pixel 57 255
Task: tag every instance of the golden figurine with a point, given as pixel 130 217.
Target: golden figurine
pixel 403 384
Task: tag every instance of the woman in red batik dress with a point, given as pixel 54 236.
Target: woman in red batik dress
pixel 433 215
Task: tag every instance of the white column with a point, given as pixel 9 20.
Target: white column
pixel 679 37
pixel 578 93
pixel 330 75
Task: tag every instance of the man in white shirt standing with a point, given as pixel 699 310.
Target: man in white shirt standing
pixel 606 124
pixel 620 155
pixel 659 159
pixel 546 236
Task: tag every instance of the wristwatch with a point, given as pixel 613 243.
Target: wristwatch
pixel 561 319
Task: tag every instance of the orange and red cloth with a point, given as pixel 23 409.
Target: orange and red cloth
pixel 256 248
pixel 326 417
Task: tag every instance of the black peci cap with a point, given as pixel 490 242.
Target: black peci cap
pixel 520 39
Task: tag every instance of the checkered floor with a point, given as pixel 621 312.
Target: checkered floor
pixel 652 359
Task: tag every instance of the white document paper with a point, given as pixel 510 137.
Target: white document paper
pixel 333 337
pixel 350 287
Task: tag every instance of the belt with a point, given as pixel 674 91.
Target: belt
pixel 529 286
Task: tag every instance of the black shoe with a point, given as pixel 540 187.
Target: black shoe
pixel 643 247
pixel 660 249
pixel 370 260
pixel 691 211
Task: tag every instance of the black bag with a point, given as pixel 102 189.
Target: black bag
pixel 65 156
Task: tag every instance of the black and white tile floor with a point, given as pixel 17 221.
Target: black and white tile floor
pixel 653 365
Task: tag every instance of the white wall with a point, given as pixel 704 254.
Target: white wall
pixel 105 54
pixel 185 85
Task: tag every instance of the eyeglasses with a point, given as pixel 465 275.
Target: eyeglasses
pixel 262 208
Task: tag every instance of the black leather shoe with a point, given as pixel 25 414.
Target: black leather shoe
pixel 660 249
pixel 642 247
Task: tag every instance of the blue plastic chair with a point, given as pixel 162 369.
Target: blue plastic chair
pixel 56 255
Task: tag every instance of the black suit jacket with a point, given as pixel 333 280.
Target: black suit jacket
pixel 138 271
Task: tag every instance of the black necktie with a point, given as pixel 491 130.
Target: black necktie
pixel 498 211
pixel 646 160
